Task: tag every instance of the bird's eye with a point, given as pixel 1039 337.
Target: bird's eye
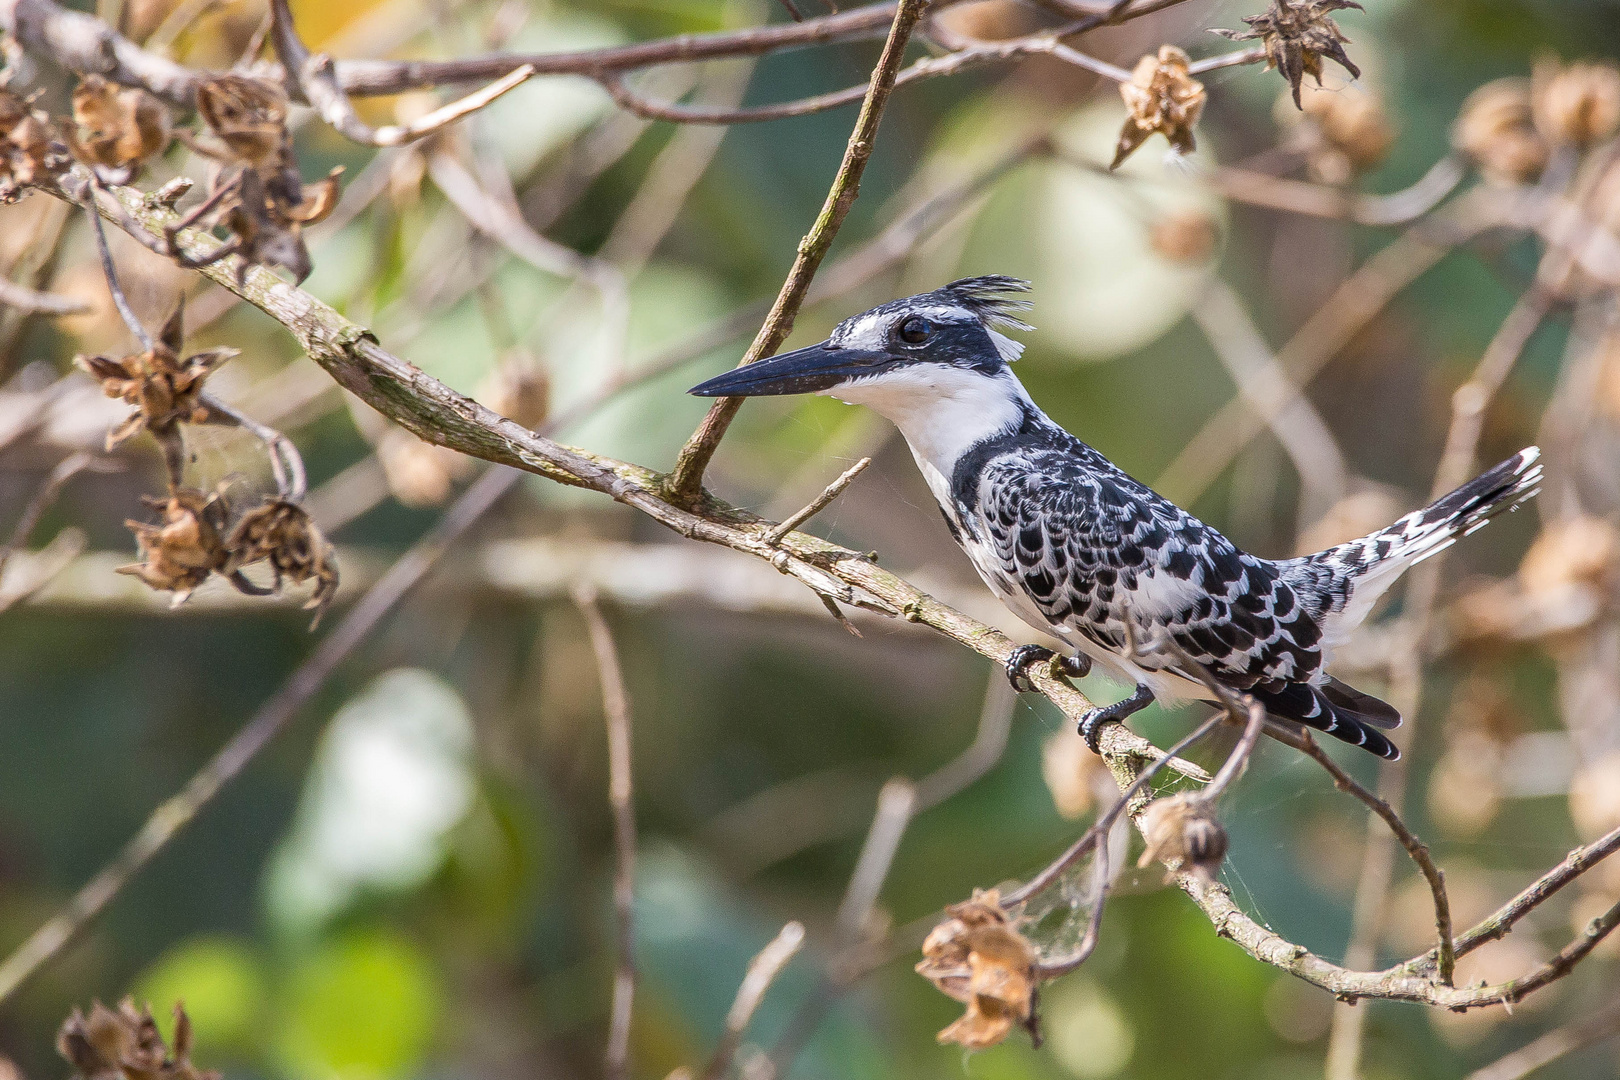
pixel 915 330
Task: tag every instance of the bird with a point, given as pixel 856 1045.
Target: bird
pixel 1079 550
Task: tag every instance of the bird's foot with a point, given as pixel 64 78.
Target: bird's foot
pixel 1025 656
pixel 1021 658
pixel 1091 722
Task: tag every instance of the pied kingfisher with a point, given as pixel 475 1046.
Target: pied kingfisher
pixel 1082 552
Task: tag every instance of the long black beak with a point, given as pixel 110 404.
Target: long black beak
pixel 803 371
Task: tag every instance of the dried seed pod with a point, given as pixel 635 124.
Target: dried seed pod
pixel 419 473
pixel 1162 97
pixel 31 149
pixel 1073 774
pixel 283 534
pixel 1186 236
pixel 164 389
pixel 1594 797
pixel 1495 129
pixel 316 201
pixel 990 20
pixel 125 1044
pixel 519 391
pixel 1182 833
pixel 1578 552
pixel 116 130
pixel 179 553
pixel 1576 105
pixel 1297 35
pixel 1465 788
pixel 13 111
pixel 978 957
pixel 248 115
pixel 1352 132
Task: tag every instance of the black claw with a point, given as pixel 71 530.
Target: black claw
pixel 1077 666
pixel 1021 658
pixel 1091 727
pixel 1091 722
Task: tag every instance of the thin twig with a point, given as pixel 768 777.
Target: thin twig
pixel 686 480
pixel 374 77
pixel 314 79
pixel 762 971
pixel 1105 821
pixel 818 504
pixel 1319 200
pixel 32 302
pixel 616 706
pixel 1446 952
pixel 286 463
pixel 1553 1045
pixel 110 272
pixel 1298 426
pixel 894 808
pixel 1254 716
pixel 65 470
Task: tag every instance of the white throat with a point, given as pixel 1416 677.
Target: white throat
pixel 942 411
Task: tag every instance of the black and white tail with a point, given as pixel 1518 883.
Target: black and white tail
pixel 1337 710
pixel 1367 567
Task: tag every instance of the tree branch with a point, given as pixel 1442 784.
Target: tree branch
pixel 686 480
pixel 616 707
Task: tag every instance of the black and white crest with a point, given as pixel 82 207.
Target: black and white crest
pixel 994 298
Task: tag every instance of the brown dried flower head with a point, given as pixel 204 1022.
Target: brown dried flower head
pixel 30 147
pixel 115 131
pixel 1574 553
pixel 1495 129
pixel 978 957
pixel 1074 775
pixel 1297 35
pixel 264 203
pixel 1594 797
pixel 1161 96
pixel 316 201
pixel 1576 105
pixel 124 1044
pixel 164 389
pixel 248 115
pixel 1347 131
pixel 267 209
pixel 283 534
pixel 13 111
pixel 1186 236
pixel 1465 789
pixel 187 544
pixel 990 20
pixel 1182 833
pixel 418 473
pixel 519 391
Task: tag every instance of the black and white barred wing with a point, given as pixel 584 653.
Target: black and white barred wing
pixel 1096 553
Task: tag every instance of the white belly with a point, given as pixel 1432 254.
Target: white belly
pixel 1168 687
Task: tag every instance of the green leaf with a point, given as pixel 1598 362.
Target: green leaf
pixel 360 1008
pixel 221 982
